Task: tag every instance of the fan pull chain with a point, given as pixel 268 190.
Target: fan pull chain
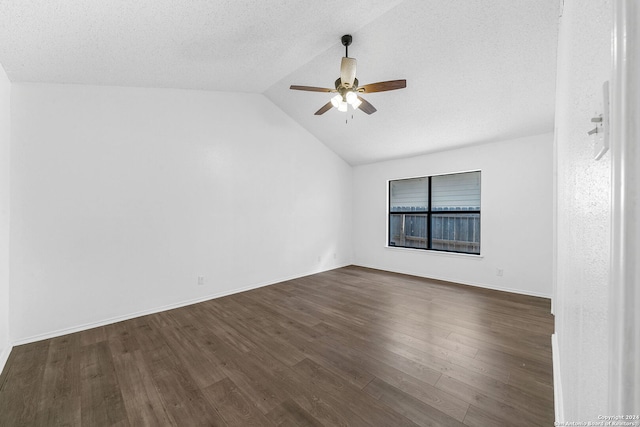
pixel 346 121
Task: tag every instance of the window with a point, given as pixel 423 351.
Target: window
pixel 440 213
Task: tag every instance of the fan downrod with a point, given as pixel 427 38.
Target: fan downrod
pixel 346 41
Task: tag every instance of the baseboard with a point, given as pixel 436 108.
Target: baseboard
pixel 557 383
pixel 116 319
pixel 449 279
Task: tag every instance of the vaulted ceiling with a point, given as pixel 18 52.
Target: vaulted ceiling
pixel 476 70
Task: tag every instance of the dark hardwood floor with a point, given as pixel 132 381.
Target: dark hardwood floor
pixel 351 346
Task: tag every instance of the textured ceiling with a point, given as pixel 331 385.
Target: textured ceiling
pixel 230 45
pixel 476 70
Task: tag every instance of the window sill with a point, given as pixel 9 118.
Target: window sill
pixel 439 253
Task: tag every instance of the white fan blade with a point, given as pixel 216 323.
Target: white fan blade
pixel 348 71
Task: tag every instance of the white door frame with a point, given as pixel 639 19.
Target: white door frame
pixel 624 292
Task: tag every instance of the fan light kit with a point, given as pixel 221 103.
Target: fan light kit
pixel 347 88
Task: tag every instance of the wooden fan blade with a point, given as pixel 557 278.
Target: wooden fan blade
pixel 326 107
pixel 311 88
pixel 383 86
pixel 366 106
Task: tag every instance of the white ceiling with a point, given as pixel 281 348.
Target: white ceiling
pixel 476 70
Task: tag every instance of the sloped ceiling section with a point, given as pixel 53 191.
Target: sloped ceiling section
pixel 229 45
pixel 476 70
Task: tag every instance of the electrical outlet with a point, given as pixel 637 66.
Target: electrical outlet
pixel 200 280
pixel 499 272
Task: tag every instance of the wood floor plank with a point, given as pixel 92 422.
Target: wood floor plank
pixel 182 399
pixel 411 360
pixel 478 418
pixel 412 378
pixel 272 338
pixel 369 355
pixel 5 372
pixel 290 414
pixel 288 306
pixel 497 407
pixel 235 408
pixel 101 394
pixel 352 346
pixel 543 371
pixel 257 382
pixel 92 336
pixel 21 389
pixel 141 398
pixel 322 405
pixel 359 403
pixel 346 366
pixel 59 402
pixel 525 381
pixel 120 337
pixel 216 312
pixel 199 361
pixel 409 406
pixel 503 346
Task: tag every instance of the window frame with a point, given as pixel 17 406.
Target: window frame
pixel 429 214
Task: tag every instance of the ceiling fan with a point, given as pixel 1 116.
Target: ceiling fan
pixel 347 88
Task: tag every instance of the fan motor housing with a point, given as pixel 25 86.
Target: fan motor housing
pixel 342 89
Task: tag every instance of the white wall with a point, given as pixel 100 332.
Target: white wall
pixel 516 218
pixel 122 197
pixel 5 91
pixel 583 211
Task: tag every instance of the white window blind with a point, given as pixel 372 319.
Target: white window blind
pixel 409 194
pixel 459 191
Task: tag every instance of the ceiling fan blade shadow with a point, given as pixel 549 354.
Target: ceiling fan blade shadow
pixel 366 106
pixel 311 88
pixel 383 86
pixel 326 107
